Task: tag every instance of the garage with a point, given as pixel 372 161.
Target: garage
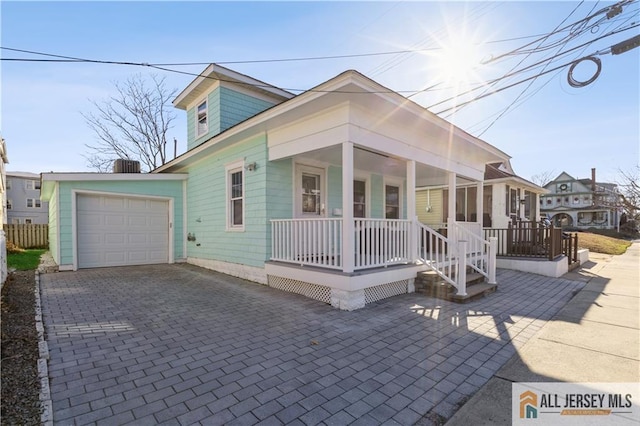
pixel 121 230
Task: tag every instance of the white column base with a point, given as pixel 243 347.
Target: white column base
pixel 347 300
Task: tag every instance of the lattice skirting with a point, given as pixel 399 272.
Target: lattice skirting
pixel 312 291
pixel 379 292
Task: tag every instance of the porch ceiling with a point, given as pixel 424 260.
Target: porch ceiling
pixel 366 160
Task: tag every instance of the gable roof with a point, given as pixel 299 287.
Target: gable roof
pixel 346 86
pixel 214 74
pixel 497 172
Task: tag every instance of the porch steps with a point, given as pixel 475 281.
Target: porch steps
pixel 430 284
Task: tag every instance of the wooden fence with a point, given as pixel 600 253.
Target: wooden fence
pixel 528 239
pixel 27 235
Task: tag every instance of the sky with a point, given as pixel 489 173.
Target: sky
pixel 435 53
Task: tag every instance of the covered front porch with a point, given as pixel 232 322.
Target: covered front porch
pixel 336 250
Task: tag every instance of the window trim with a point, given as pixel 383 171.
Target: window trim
pixel 36 203
pixel 205 102
pixel 398 184
pixel 367 196
pixel 231 169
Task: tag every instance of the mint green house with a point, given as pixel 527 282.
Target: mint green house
pixel 312 193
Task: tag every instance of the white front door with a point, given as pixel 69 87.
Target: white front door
pixel 310 192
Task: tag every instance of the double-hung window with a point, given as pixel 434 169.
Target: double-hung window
pixel 359 198
pixel 235 197
pixel 202 122
pixel 33 203
pixel 392 202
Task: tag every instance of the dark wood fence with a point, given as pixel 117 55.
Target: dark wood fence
pixel 27 235
pixel 530 239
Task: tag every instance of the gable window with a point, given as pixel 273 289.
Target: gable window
pixel 235 197
pixel 359 198
pixel 392 202
pixel 202 125
pixel 33 203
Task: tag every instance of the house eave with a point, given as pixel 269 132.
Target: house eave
pixel 348 82
pixel 49 180
pixel 216 73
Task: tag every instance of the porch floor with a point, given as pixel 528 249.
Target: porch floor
pixel 336 272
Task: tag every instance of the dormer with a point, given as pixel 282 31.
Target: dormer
pixel 220 98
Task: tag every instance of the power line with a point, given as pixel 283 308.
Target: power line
pixel 530 67
pixel 523 91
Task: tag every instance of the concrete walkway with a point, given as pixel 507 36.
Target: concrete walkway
pixel 594 338
pixel 181 345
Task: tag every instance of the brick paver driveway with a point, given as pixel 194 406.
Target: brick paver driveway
pixel 177 344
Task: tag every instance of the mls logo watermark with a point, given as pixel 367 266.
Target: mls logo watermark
pixel 581 404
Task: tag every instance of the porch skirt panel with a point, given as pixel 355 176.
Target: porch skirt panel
pixel 312 291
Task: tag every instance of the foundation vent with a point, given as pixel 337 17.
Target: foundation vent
pixel 379 292
pixel 312 291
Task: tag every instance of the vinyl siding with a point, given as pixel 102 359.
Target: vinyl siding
pixel 207 206
pixel 225 109
pixel 236 107
pixel 171 189
pixel 435 199
pixel 334 189
pixel 53 226
pixel 377 196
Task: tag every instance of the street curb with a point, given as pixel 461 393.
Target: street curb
pixel 46 418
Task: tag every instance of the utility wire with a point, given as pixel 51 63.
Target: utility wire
pixel 532 66
pixel 523 91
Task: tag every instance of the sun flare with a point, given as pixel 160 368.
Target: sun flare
pixel 456 61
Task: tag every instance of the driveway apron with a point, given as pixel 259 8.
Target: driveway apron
pixel 177 344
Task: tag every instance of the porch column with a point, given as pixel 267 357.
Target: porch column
pixel 452 198
pixel 348 247
pixel 411 210
pixel 479 203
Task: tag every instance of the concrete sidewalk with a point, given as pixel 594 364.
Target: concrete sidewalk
pixel 594 338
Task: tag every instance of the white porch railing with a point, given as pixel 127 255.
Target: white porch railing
pixel 313 242
pixel 318 242
pixel 435 252
pixel 384 242
pixel 480 253
pixel 381 242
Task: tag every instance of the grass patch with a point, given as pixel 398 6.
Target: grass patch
pixel 25 260
pixel 602 244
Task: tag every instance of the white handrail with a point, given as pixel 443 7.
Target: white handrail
pixel 435 251
pixel 481 254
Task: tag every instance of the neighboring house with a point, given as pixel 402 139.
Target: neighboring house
pixel 3 179
pixel 581 203
pixel 312 193
pixel 4 159
pixel 506 198
pixel 23 202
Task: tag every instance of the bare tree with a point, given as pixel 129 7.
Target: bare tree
pixel 132 124
pixel 629 186
pixel 541 179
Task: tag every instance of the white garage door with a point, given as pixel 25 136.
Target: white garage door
pixel 118 231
